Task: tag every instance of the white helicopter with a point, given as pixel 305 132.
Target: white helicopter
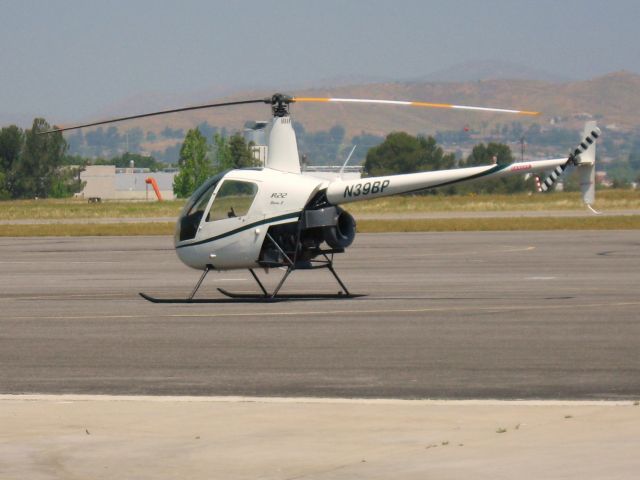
pixel 277 217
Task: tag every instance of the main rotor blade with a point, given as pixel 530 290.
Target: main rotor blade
pixel 413 104
pixel 162 112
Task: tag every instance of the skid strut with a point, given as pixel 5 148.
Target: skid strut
pixel 265 296
pixel 255 277
pixel 288 262
pixel 204 274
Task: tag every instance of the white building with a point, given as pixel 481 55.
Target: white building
pixel 110 183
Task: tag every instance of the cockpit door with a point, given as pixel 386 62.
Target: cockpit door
pixel 232 200
pixel 230 208
pixel 216 227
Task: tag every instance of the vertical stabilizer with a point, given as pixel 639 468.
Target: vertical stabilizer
pixel 586 163
pixel 283 148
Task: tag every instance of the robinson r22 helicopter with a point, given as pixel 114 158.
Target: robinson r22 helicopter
pixel 277 217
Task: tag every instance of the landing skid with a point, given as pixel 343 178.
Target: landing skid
pixel 290 296
pixel 263 297
pixel 252 298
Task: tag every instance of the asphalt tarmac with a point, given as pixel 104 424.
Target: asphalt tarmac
pixel 508 315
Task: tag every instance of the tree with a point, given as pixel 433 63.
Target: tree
pixel 404 153
pixel 169 132
pixel 11 142
pixel 4 190
pixel 234 152
pixel 207 130
pixel 241 154
pixel 634 156
pixel 321 147
pixel 35 165
pixel 104 142
pixel 75 140
pixel 621 174
pixel 66 182
pixel 134 137
pixel 491 153
pixel 170 154
pixel 363 142
pixel 337 134
pixel 500 154
pixel 38 169
pixel 222 153
pixel 194 164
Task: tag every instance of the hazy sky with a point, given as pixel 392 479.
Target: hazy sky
pixel 70 60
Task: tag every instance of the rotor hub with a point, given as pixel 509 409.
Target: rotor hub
pixel 280 104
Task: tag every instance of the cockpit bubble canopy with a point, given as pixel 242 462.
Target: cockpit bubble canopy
pixel 192 213
pixel 233 198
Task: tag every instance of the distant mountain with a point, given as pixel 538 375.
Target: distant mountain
pixel 152 101
pixel 491 70
pixel 345 80
pixel 613 99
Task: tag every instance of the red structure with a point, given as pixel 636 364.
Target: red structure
pixel 152 181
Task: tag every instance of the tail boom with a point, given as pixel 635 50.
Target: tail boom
pixel 346 191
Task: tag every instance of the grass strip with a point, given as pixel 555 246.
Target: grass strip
pixel 52 209
pixel 631 222
pixel 55 209
pixel 87 230
pixel 605 200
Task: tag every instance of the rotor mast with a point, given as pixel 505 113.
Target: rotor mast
pixel 283 147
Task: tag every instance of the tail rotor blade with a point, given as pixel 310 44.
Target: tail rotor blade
pixel 543 186
pixel 552 178
pixel 587 142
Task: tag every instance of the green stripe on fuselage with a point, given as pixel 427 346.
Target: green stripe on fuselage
pixel 295 215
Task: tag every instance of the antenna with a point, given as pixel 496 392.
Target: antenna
pixel 347 161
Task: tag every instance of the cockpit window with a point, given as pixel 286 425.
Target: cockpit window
pixel 234 199
pixel 195 208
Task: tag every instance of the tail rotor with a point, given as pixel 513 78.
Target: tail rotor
pixel 582 157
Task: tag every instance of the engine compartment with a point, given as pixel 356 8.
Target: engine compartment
pixel 321 231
